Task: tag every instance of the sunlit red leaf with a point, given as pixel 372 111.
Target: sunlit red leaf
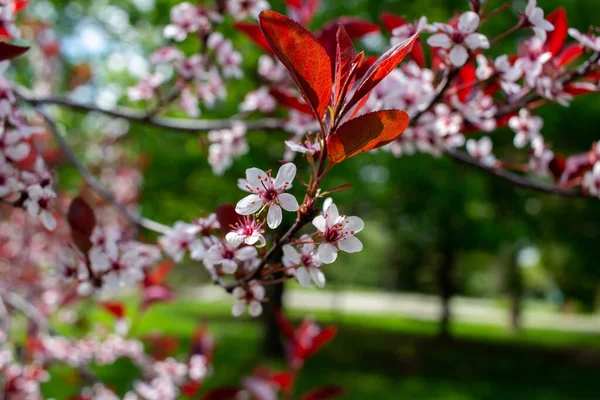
pixel 255 34
pixel 328 392
pixel 580 88
pixel 303 11
pixel 297 4
pixel 284 380
pixel 158 274
pixel 82 221
pixel 19 5
pixel 290 101
pixel 285 326
pixel 568 55
pixel 345 55
pixel 366 132
pixel 161 346
pixel 305 59
pixel 465 81
pixel 355 28
pixel 556 38
pixel 325 336
pixel 116 308
pixel 227 217
pixel 9 51
pixel 223 393
pixel 380 69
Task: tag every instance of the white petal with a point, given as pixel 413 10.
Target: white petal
pixel 288 202
pixel 285 176
pixel 317 276
pixel 48 220
pixel 468 22
pixel 477 41
pixel 229 266
pixel 459 55
pixel 327 253
pixel 274 216
pixel 440 40
pixel 291 254
pixel 238 308
pixel 332 214
pixel 246 253
pixel 327 203
pixel 255 308
pixel 350 244
pixel 254 177
pixel 258 291
pixel 485 145
pixel 303 277
pixel 319 223
pixel 239 292
pixel 234 238
pixel 353 224
pixel 248 205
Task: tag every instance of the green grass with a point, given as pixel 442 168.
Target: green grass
pixel 383 357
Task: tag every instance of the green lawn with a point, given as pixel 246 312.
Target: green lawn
pixel 386 358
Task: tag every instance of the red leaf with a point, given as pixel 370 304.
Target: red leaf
pixel 556 38
pixel 290 101
pixel 116 308
pixel 156 294
pixel 255 34
pixel 466 78
pixel 366 132
pixel 297 4
pixel 345 55
pixel 557 166
pixel 82 221
pixel 19 5
pixel 284 380
pixel 227 217
pixel 579 88
pixel 158 275
pixel 306 60
pixel 568 55
pixel 327 392
pixel 286 326
pixel 392 21
pixel 356 28
pixel 223 393
pixel 9 51
pixel 303 11
pixel 321 340
pixel 382 67
pixel 190 389
pixel 417 54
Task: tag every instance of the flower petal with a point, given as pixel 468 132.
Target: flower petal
pixel 440 40
pixel 229 266
pixel 254 177
pixel 274 216
pixel 288 202
pixel 303 277
pixel 248 205
pixel 319 223
pixel 238 308
pixel 48 220
pixel 459 55
pixel 291 254
pixel 317 276
pixel 246 253
pixel 477 41
pixel 285 176
pixel 350 244
pixel 327 253
pixel 332 215
pixel 234 239
pixel 468 22
pixel 353 225
pixel 255 308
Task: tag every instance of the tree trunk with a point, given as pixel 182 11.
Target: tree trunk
pixel 272 342
pixel 515 289
pixel 446 286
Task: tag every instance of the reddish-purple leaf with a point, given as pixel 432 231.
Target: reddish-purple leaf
pixel 159 274
pixel 322 338
pixel 465 81
pixel 392 21
pixel 345 55
pixel 305 59
pixel 290 101
pixel 417 54
pixel 116 308
pixel 322 393
pixel 253 32
pixel 297 4
pixel 568 55
pixel 286 326
pixel 382 67
pixel 82 221
pixel 556 38
pixel 227 217
pixel 364 133
pixel 580 88
pixel 356 28
pixel 9 51
pixel 222 393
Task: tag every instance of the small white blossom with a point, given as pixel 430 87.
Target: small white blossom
pixel 228 257
pixel 337 232
pixel 250 298
pixel 306 262
pixel 535 16
pixel 591 180
pixel 482 150
pixel 526 127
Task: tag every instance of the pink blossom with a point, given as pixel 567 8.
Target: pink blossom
pixel 260 100
pixel 535 16
pixel 526 127
pixel 38 203
pixel 250 297
pixel 306 264
pixel 590 41
pixel 248 231
pixel 407 30
pixel 337 233
pixel 228 256
pixel 481 150
pixel 180 239
pixel 242 9
pixel 591 180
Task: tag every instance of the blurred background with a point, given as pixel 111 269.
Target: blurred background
pixel 467 287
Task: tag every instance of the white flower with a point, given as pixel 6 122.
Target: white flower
pixel 590 41
pixel 197 367
pixel 251 298
pixel 460 39
pixel 532 58
pixel 308 147
pixel 307 263
pixel 482 150
pixel 242 9
pixel 187 18
pixel 553 89
pixel 39 200
pixel 508 74
pixel 337 232
pixel 541 156
pixel 526 127
pixel 227 256
pixel 268 192
pixel 247 231
pixel 535 16
pixel 182 238
pixel 405 31
pixel 591 180
pixel 260 100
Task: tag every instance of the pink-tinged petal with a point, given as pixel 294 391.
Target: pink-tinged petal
pixel 440 40
pixel 197 250
pixel 327 203
pixel 350 244
pixel 274 216
pixel 327 253
pixel 319 223
pixel 48 220
pixel 468 22
pixel 353 224
pixel 248 205
pixel 99 260
pixel 18 152
pixel 288 202
pixel 332 214
pixel 540 34
pixel 285 176
pixel 303 277
pixel 258 291
pixel 238 308
pixel 459 55
pixel 234 239
pixel 485 145
pixel 239 292
pixel 246 253
pixel 477 41
pixel 255 308
pixel 291 254
pixel 229 266
pixel 317 276
pixel 254 177
pixel 214 256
